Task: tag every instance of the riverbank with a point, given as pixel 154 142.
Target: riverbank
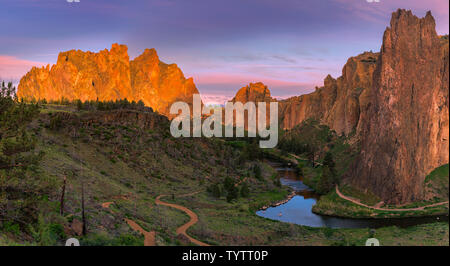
pixel 370 207
pixel 278 203
pixel 335 206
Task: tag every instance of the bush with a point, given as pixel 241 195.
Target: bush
pixel 245 191
pixel 326 183
pixel 232 194
pixel 102 239
pixel 277 182
pixel 11 227
pixel 215 190
pixel 228 183
pixel 257 171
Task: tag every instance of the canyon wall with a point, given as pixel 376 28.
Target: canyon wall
pixel 337 104
pixel 394 104
pixel 404 133
pixel 109 75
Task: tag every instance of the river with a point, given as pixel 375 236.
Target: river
pixel 298 210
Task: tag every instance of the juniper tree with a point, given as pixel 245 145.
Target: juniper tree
pixel 18 199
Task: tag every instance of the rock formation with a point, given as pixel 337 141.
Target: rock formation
pixel 394 103
pixel 109 75
pixel 339 102
pixel 404 135
pixel 254 92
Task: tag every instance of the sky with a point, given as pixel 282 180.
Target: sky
pixel 290 45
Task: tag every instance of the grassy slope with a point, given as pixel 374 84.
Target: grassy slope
pixel 436 185
pixel 131 166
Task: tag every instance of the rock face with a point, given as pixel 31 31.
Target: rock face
pixel 254 92
pixel 142 119
pixel 339 102
pixel 394 103
pixel 109 75
pixel 405 131
pixel 159 84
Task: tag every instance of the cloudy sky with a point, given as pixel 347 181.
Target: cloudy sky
pixel 290 45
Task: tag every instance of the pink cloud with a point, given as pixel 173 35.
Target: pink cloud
pixel 13 68
pixel 213 99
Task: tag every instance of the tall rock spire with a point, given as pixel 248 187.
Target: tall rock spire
pixel 404 135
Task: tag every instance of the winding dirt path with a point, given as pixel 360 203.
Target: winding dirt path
pixel 385 209
pixel 149 237
pixel 300 158
pixel 194 218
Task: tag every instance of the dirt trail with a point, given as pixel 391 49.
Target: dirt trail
pixel 106 204
pixel 194 218
pixel 149 237
pixel 300 158
pixel 384 209
pixel 240 182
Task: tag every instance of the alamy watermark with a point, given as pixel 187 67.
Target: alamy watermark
pixel 212 126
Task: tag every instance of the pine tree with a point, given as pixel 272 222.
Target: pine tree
pixel 232 194
pixel 326 181
pixel 257 171
pixel 245 190
pixel 328 160
pixel 228 183
pixel 216 190
pixel 79 105
pixel 15 141
pixel 16 155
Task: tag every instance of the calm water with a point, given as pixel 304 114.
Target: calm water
pixel 298 209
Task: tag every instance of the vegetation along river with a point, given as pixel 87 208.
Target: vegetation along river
pixel 298 210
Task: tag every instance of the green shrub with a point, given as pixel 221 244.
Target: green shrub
pixel 245 190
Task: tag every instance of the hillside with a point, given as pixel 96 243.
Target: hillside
pixel 113 165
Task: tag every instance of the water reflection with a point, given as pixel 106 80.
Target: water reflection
pixel 298 209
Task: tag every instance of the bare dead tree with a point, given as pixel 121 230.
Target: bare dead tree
pixel 83 217
pixel 135 197
pixel 61 210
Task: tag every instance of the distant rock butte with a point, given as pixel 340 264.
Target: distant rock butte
pixel 254 92
pixel 109 75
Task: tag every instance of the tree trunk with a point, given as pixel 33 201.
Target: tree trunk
pixel 61 210
pixel 82 209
